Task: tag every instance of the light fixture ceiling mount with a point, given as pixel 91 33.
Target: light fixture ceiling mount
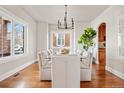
pixel 65 25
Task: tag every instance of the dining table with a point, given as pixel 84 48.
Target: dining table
pixel 65 71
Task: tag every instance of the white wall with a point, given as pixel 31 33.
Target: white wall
pixel 54 28
pixel 51 27
pixel 42 37
pixel 111 17
pixel 79 28
pixel 44 34
pixel 11 63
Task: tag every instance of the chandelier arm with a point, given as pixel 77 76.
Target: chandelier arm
pixel 65 21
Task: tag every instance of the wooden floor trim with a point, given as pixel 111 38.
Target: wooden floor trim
pixel 115 72
pixel 16 70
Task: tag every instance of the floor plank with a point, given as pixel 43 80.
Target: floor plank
pixel 29 78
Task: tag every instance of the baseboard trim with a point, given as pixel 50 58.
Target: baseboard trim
pixel 115 72
pixel 12 72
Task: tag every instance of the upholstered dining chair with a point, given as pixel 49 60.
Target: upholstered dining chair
pixel 44 65
pixel 86 67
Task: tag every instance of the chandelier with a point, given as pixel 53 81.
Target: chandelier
pixel 65 25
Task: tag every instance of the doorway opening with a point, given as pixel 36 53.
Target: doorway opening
pixel 102 44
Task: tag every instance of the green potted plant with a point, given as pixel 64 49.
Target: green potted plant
pixel 86 39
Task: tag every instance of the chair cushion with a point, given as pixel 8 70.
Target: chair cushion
pixel 47 66
pixel 84 64
pixel 86 61
pixel 46 57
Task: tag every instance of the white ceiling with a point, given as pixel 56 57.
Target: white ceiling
pixel 51 13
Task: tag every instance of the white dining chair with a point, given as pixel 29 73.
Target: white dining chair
pixel 44 65
pixel 86 67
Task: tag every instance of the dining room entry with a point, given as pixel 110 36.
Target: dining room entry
pixel 102 43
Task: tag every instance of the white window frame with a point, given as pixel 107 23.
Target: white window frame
pixel 6 17
pixel 25 30
pixel 13 19
pixel 61 31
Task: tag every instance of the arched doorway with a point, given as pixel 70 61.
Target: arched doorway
pixel 102 43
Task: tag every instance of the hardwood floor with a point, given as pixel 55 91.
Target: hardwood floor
pixel 103 79
pixel 28 78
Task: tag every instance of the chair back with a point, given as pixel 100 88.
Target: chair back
pixel 86 62
pixel 39 58
pixel 90 59
pixel 44 57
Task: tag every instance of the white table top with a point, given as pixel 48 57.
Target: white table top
pixel 59 54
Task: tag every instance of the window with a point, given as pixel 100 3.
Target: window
pixel 6 33
pixel 19 38
pixel 11 37
pixel 5 37
pixel 61 39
